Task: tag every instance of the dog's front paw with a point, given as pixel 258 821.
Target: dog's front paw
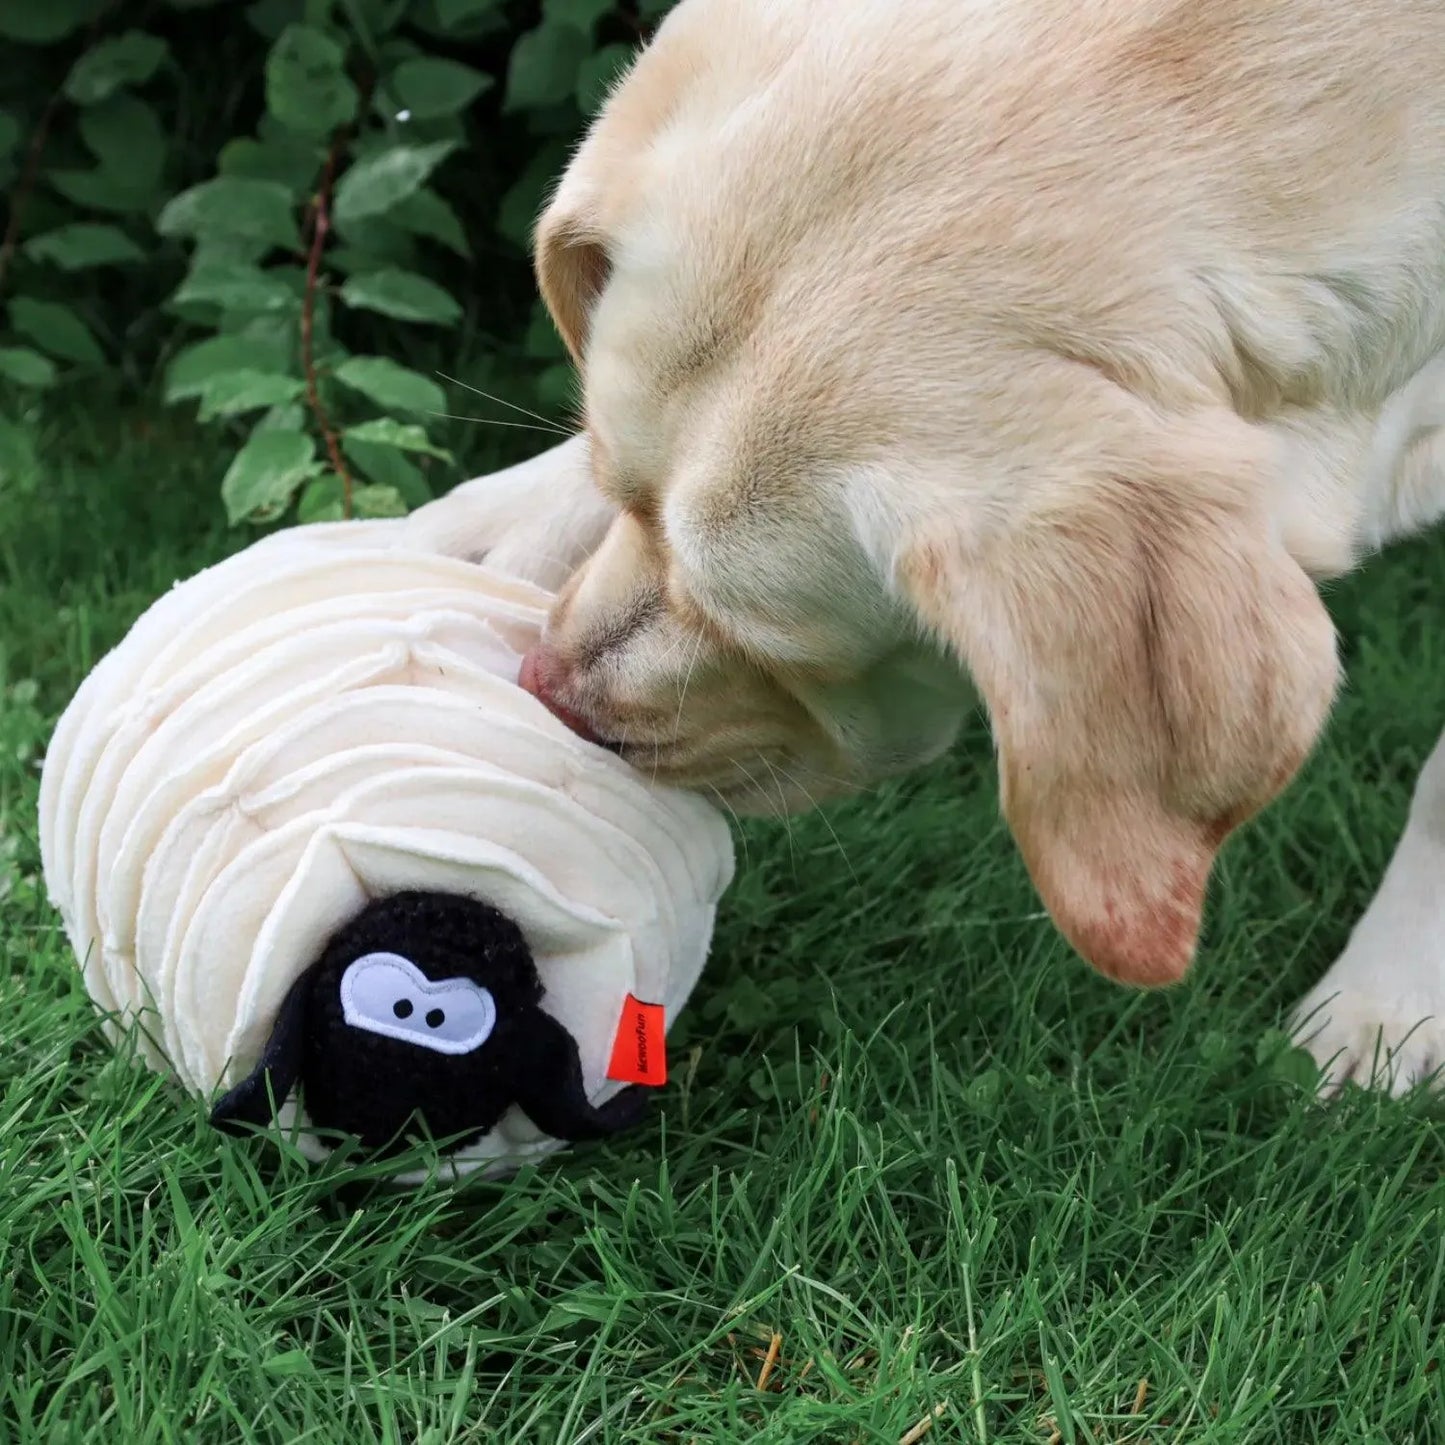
pixel 1377 1018
pixel 538 521
pixel 1361 1027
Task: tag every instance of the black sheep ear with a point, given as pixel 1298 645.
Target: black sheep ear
pixel 251 1101
pixel 552 1095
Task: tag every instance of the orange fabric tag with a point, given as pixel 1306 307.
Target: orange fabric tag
pixel 639 1053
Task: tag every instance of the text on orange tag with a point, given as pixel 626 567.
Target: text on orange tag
pixel 639 1054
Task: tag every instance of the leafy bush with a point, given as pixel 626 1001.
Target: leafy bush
pixel 266 204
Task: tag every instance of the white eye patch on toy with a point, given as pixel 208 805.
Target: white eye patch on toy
pixel 308 835
pixel 389 995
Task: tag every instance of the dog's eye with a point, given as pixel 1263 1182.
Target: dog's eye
pixel 386 994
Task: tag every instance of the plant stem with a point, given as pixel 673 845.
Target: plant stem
pixel 25 186
pixel 30 171
pixel 320 227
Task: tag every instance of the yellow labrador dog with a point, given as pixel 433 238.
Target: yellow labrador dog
pixel 1056 345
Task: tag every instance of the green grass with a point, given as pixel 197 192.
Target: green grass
pixel 909 1133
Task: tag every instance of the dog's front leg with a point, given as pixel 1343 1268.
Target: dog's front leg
pixel 1378 1015
pixel 539 520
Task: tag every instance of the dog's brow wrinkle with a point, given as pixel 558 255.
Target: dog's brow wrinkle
pixel 641 505
pixel 700 351
pixel 622 486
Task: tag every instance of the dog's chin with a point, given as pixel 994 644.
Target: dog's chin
pixel 771 759
pixel 767 781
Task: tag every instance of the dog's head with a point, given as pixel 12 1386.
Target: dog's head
pixel 859 430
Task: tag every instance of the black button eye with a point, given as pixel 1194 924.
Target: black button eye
pixel 402 1008
pixel 435 1019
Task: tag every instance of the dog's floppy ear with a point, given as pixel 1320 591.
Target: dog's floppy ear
pixel 1156 668
pixel 572 269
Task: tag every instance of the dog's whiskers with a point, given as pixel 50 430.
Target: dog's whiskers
pixel 742 836
pixel 827 822
pixel 671 648
pixel 763 793
pixel 686 683
pixel 494 421
pixel 510 405
pixel 783 814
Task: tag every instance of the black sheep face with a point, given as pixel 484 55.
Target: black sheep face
pixel 425 1007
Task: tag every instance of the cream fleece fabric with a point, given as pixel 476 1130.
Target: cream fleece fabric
pixel 328 717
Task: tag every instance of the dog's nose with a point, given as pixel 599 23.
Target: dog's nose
pixel 541 675
pixel 529 679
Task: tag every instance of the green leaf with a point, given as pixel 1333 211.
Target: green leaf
pixel 83 244
pixel 354 261
pixel 293 278
pixel 598 74
pixel 111 65
pixel 380 16
pixel 452 13
pixel 984 1091
pixel 429 86
pixel 390 385
pixel 544 65
pixel 1271 1044
pixel 322 500
pixel 557 388
pixel 192 368
pixel 124 134
pixel 267 471
pixel 523 200
pixel 56 329
pixel 543 342
pixel 584 14
pixel 401 294
pixel 18 459
pixel 41 22
pixel 9 133
pixel 289 1362
pixel 426 214
pixel 236 391
pixel 102 190
pixel 289 162
pixel 216 248
pixel 236 287
pixel 375 184
pixel 281 418
pixel 390 468
pixel 268 18
pixel 384 432
pixel 26 367
pixel 307 88
pixel 390 53
pixel 1296 1066
pixel 386 244
pixel 253 210
pixel 372 499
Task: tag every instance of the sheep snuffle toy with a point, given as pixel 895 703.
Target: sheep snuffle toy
pixel 309 836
